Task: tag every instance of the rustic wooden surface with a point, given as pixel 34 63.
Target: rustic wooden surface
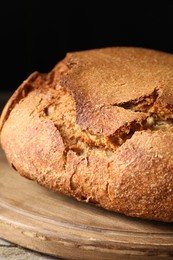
pixel 34 218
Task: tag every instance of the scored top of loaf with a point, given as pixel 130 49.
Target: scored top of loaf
pixel 103 81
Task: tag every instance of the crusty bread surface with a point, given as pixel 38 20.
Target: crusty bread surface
pixel 99 128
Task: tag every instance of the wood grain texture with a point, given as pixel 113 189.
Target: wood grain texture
pixel 39 219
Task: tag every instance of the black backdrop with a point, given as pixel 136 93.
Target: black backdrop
pixel 34 35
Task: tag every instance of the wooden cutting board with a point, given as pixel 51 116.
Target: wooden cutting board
pixel 39 219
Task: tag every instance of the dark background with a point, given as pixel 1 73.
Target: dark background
pixel 34 35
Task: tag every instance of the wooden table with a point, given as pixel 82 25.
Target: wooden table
pixel 36 218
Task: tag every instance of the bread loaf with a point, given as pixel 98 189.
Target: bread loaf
pixel 99 128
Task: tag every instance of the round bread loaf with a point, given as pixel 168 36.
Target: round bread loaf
pixel 99 128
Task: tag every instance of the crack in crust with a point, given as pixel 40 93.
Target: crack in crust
pixel 157 118
pixel 144 104
pixel 62 111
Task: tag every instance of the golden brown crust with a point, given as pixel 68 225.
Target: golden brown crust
pixel 98 127
pixel 132 73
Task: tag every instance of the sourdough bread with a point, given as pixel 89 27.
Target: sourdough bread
pixel 99 128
